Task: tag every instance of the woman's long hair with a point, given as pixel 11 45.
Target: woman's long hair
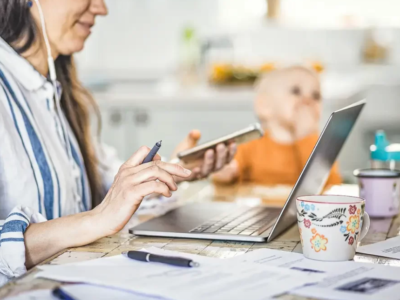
pixel 17 26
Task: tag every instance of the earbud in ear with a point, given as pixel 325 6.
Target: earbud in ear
pixel 29 4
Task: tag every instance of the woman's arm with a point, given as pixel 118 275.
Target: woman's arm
pixel 43 240
pixel 133 182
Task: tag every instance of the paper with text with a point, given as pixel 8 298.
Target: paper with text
pixel 389 248
pixel 346 280
pixel 213 282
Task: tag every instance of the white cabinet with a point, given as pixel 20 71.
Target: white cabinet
pixel 114 130
pixel 128 127
pixel 172 126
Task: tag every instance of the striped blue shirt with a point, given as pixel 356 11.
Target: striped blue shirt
pixel 34 152
pixel 41 166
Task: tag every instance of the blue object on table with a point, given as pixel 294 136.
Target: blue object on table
pixel 60 294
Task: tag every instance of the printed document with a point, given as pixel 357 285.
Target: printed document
pixel 226 280
pixel 389 248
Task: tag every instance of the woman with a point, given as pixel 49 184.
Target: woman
pixel 50 166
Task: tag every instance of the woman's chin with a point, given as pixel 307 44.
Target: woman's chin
pixel 73 47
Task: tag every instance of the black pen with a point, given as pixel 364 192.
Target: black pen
pixel 169 260
pixel 60 294
pixel 152 153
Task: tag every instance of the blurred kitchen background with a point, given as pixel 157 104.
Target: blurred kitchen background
pixel 159 68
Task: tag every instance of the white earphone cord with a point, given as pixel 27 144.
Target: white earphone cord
pixel 53 78
pixel 52 69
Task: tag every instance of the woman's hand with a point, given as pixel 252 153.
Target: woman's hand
pixel 132 183
pixel 213 160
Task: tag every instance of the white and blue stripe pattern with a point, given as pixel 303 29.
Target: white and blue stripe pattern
pixel 12 246
pixel 39 157
pixel 41 166
pixel 52 200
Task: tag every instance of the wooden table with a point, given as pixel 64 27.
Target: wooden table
pixel 381 229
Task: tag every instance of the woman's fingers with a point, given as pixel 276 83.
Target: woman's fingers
pixel 173 169
pixel 150 187
pixel 153 173
pixel 138 157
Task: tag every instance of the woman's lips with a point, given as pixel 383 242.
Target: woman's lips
pixel 85 26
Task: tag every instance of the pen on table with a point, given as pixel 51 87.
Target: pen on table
pixel 169 260
pixel 60 294
pixel 152 153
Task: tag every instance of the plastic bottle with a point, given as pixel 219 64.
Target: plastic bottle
pixel 378 151
pixel 383 154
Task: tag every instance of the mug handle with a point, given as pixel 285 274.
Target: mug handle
pixel 365 226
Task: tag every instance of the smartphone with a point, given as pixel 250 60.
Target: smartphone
pixel 247 134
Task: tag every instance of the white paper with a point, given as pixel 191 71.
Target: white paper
pixel 366 282
pixel 214 281
pixel 82 292
pixel 344 280
pixel 120 260
pixel 294 261
pixel 389 248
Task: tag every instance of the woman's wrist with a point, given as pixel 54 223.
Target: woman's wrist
pixel 84 230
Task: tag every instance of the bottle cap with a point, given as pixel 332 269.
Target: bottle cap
pixel 378 150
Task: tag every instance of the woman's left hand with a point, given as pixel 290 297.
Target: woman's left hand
pixel 213 160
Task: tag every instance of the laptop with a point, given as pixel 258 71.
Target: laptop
pixel 231 222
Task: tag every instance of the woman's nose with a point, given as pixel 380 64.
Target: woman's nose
pixel 99 7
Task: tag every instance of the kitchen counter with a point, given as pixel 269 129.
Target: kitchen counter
pixel 337 84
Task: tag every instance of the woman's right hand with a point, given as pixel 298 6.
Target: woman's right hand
pixel 133 182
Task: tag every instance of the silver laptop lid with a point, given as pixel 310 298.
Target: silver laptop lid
pixel 317 169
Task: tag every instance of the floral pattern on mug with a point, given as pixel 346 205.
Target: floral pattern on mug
pixel 351 240
pixel 358 211
pixel 353 223
pixel 307 223
pixel 318 242
pixel 307 207
pixel 343 229
pixel 313 231
pixel 352 209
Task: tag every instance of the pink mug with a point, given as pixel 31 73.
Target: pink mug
pixel 380 188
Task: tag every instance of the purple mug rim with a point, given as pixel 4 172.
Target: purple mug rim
pixel 394 173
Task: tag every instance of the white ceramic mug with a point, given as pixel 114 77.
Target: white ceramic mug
pixel 331 226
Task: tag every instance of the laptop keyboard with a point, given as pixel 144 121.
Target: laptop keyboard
pixel 252 222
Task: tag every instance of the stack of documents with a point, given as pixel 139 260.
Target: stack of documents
pixel 343 280
pixel 261 274
pixel 214 279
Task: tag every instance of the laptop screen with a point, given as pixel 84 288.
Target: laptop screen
pixel 317 169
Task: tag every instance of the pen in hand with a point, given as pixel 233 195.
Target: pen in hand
pixel 169 260
pixel 152 153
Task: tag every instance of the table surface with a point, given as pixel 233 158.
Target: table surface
pixel 381 229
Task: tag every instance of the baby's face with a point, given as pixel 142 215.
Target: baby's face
pixel 286 92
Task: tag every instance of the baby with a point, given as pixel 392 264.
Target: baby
pixel 288 106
